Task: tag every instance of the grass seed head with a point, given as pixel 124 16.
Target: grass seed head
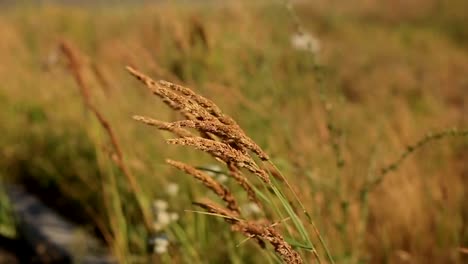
pixel 230 134
pixel 210 183
pixel 180 132
pixel 259 231
pixel 207 104
pixel 224 152
pixel 202 114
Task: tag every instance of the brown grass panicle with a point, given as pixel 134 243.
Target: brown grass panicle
pixel 260 231
pixel 210 183
pixel 180 103
pixel 207 104
pixel 224 152
pixel 197 108
pixel 75 66
pixel 161 125
pixel 204 116
pixel 222 138
pixel 232 134
pixel 234 172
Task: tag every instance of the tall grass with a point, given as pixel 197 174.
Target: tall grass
pixel 8 220
pixel 223 139
pixel 389 78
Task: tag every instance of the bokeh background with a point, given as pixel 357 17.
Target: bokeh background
pixel 333 90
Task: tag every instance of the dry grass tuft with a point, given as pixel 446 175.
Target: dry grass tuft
pixel 224 152
pixel 180 132
pixel 204 114
pixel 232 134
pixel 210 183
pixel 206 117
pixel 222 138
pixel 260 231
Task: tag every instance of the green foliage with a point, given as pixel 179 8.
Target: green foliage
pixel 7 217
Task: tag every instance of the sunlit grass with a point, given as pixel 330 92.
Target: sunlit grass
pixel 388 80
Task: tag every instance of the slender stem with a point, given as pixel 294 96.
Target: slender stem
pixel 454 132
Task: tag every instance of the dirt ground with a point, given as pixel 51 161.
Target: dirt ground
pixel 7 257
pixel 16 251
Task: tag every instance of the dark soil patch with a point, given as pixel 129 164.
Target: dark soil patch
pixel 14 251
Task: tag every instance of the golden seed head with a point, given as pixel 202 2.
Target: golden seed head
pixel 180 132
pixel 222 138
pixel 210 183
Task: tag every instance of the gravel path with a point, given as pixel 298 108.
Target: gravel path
pixel 53 238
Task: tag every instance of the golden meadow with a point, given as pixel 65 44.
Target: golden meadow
pixel 352 149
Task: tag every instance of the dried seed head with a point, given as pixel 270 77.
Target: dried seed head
pixel 75 65
pixel 232 149
pixel 180 132
pixel 259 231
pixel 207 104
pixel 204 114
pixel 187 107
pixel 209 182
pixel 224 152
pixel 268 233
pixel 230 134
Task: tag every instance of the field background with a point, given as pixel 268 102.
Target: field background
pixel 385 75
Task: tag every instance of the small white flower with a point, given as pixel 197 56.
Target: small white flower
pixel 160 205
pixel 172 189
pixel 164 218
pixel 160 249
pixel 305 42
pixel 174 217
pixel 160 245
pixel 161 241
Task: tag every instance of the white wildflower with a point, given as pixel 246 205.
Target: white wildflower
pixel 160 249
pixel 164 218
pixel 174 217
pixel 172 189
pixel 160 205
pixel 160 245
pixel 305 42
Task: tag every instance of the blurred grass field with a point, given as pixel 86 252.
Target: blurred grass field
pixel 389 74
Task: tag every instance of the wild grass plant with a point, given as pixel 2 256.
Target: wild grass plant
pixel 390 77
pixel 223 139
